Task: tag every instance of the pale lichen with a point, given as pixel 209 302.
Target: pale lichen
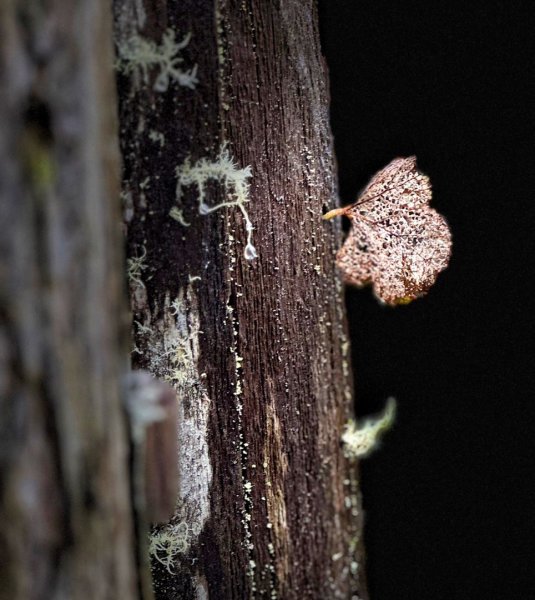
pixel 225 171
pixel 173 354
pixel 135 267
pixel 360 440
pixel 176 214
pixel 138 56
pixel 157 137
pixel 172 540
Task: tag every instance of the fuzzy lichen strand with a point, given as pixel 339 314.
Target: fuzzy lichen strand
pixel 166 544
pixel 135 267
pixel 176 214
pixel 235 182
pixel 138 56
pixel 363 439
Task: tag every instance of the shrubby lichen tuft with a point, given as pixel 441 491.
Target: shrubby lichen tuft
pixel 362 439
pixel 138 56
pixel 234 180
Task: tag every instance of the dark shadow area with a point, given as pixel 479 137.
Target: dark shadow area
pixel 449 496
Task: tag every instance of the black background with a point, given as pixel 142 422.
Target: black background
pixel 450 495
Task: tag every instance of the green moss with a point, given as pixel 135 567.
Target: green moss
pixel 38 161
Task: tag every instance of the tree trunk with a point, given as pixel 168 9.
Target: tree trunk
pixel 67 518
pixel 227 103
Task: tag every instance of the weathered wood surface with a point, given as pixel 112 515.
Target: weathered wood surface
pixel 65 507
pixel 257 349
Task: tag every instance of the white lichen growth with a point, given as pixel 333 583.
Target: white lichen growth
pixel 157 137
pixel 135 267
pixel 169 542
pixel 362 439
pixel 139 56
pixel 176 306
pixel 174 358
pixel 176 214
pixel 143 329
pixel 179 356
pixel 235 182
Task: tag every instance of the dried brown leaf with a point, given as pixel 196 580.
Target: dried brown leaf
pixel 397 241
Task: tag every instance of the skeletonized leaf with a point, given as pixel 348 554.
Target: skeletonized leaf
pixel 397 241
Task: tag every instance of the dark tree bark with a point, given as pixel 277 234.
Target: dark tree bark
pixel 65 505
pixel 256 347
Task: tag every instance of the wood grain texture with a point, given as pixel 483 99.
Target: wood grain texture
pixel 67 522
pixel 267 504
